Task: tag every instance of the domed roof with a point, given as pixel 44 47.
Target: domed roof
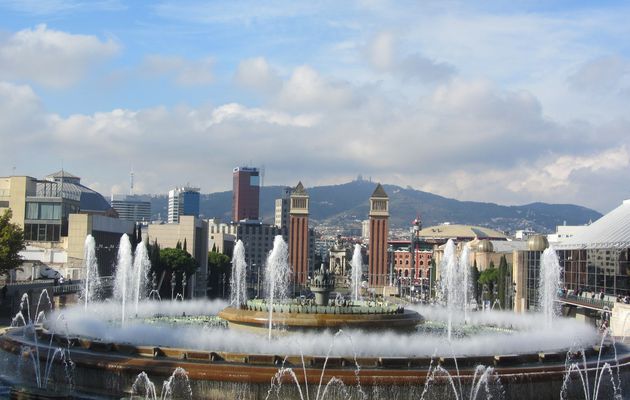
pixel 461 232
pixel 537 243
pixel 484 246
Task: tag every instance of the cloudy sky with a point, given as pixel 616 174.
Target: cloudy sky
pixel 508 102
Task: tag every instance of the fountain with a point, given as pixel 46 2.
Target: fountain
pixel 141 270
pixel 238 292
pixel 327 347
pixel 303 314
pixel 455 282
pixel 123 280
pixel 549 285
pixel 357 272
pixel 90 290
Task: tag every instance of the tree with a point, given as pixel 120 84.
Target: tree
pixel 474 274
pixel 134 238
pixel 185 248
pixel 432 276
pixel 502 278
pixel 11 243
pixel 175 263
pixel 177 260
pixel 489 277
pixel 139 238
pixel 178 246
pixel 219 272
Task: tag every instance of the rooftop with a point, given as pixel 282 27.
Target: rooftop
pixel 461 231
pixel 610 231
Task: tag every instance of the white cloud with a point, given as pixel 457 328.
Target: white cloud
pixel 51 58
pixel 184 72
pixel 257 74
pixel 234 111
pixel 307 89
pixel 558 174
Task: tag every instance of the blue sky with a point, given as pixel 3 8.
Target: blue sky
pixel 509 102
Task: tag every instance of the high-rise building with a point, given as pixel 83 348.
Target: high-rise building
pixel 281 219
pixel 245 193
pixel 182 201
pixel 379 228
pixel 130 209
pixel 299 234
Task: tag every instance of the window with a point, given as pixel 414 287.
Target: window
pixel 32 211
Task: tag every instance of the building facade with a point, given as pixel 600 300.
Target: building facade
pixel 182 201
pixel 283 204
pixel 57 213
pixel 299 235
pixel 194 231
pixel 245 194
pixel 379 231
pixel 129 209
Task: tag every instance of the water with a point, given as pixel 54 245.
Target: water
pixel 141 270
pixel 277 275
pixel 123 277
pixel 357 269
pixel 177 386
pixel 90 286
pixel 238 292
pixel 578 367
pixel 549 285
pixel 464 270
pixel 455 287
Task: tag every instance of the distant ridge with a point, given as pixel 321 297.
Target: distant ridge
pixel 347 204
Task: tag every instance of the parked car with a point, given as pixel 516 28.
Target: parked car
pixel 49 273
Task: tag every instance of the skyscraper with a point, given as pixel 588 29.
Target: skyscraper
pixel 130 209
pixel 299 234
pixel 379 229
pixel 245 193
pixel 281 219
pixel 182 201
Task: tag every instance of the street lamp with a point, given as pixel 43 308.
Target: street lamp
pixel 415 238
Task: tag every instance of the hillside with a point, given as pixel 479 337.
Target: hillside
pixel 347 204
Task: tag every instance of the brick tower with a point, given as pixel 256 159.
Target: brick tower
pixel 379 229
pixel 298 234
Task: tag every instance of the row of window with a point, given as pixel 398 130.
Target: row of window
pixel 42 232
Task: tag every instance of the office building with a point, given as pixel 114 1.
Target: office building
pixel 281 218
pixel 57 213
pixel 182 201
pixel 245 194
pixel 130 209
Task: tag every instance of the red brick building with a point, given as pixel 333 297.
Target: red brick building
pixel 379 231
pixel 298 234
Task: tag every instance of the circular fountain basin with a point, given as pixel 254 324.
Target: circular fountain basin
pixel 529 360
pixel 293 316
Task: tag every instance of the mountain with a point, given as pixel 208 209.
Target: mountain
pixel 347 204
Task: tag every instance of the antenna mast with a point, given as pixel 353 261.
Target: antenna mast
pixel 131 182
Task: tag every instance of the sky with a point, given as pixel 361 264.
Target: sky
pixel 505 102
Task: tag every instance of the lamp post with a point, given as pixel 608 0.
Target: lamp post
pixel 413 244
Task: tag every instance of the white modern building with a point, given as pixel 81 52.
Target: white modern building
pixel 182 201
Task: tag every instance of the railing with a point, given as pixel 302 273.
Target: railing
pixel 38 282
pixel 596 303
pixel 70 288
